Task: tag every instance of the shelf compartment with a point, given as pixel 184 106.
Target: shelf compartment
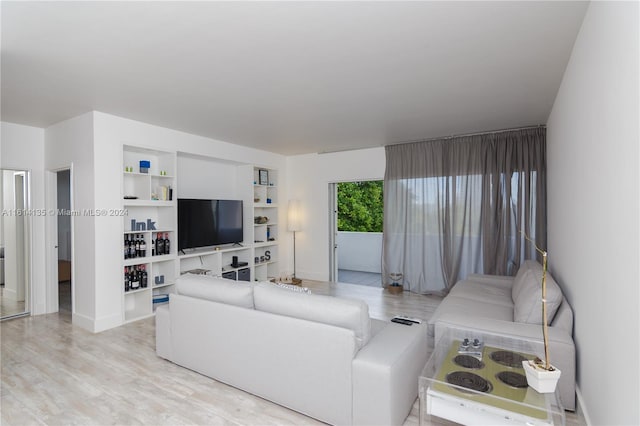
pixel 137 304
pixel 165 270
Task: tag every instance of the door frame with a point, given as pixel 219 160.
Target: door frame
pixel 51 238
pixel 333 231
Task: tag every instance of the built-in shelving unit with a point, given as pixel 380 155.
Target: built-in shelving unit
pixel 217 261
pixel 265 232
pixel 149 199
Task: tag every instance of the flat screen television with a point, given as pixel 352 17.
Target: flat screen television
pixel 204 223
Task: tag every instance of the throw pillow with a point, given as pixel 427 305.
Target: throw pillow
pixel 294 288
pixel 528 305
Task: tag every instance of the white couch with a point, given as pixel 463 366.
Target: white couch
pixel 319 355
pixel 512 306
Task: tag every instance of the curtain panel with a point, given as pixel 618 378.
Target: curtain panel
pixel 463 205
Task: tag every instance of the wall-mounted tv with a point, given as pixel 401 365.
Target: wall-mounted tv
pixel 204 223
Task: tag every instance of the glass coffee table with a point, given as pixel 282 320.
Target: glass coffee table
pixel 481 381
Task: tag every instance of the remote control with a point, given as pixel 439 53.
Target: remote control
pixel 402 321
pixel 413 320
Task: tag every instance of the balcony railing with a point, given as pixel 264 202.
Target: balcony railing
pixel 360 257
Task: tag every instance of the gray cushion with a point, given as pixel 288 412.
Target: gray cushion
pixel 519 281
pixel 528 304
pixel 482 292
pixel 467 308
pixel 345 313
pixel 237 293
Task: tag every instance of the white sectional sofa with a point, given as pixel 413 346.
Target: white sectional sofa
pixel 319 355
pixel 512 306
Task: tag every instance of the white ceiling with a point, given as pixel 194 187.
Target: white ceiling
pixel 291 77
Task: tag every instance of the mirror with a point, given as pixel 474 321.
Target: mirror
pixel 15 243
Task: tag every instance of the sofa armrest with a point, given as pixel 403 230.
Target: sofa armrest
pixel 561 346
pixel 385 374
pixel 163 332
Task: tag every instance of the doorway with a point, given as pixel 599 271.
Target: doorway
pixel 63 189
pixel 356 232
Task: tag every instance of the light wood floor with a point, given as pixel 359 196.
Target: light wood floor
pixel 54 373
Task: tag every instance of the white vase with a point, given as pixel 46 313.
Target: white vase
pixel 544 381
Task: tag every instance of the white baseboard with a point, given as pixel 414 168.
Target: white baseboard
pixel 82 321
pixel 97 325
pixel 581 409
pixel 107 322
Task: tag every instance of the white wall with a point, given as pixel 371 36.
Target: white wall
pixel 70 143
pixel 593 213
pixel 308 181
pixel 22 148
pixel 199 178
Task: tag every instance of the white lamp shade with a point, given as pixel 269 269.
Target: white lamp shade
pixel 293 219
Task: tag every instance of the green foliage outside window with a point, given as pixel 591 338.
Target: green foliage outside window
pixel 360 206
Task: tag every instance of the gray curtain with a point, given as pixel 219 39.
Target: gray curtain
pixel 463 205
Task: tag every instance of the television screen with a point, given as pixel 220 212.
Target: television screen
pixel 203 223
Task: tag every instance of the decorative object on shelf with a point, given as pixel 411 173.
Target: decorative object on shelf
pixel 256 200
pixel 268 200
pixel 395 287
pixel 144 166
pixel 260 220
pixel 256 259
pixel 160 299
pixel 159 279
pixel 149 225
pixel 263 177
pixel 167 193
pixel 541 375
pixel 294 225
pixel 267 255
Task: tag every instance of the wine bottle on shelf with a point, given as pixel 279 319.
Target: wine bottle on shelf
pixel 143 247
pixel 126 248
pixel 126 279
pixel 143 277
pixel 160 246
pixel 135 280
pixel 153 244
pixel 167 244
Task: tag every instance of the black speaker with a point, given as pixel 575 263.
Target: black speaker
pixel 234 262
pixel 244 274
pixel 231 275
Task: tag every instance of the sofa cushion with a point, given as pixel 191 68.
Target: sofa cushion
pixel 238 293
pixel 468 308
pixel 483 292
pixel 346 313
pixel 528 304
